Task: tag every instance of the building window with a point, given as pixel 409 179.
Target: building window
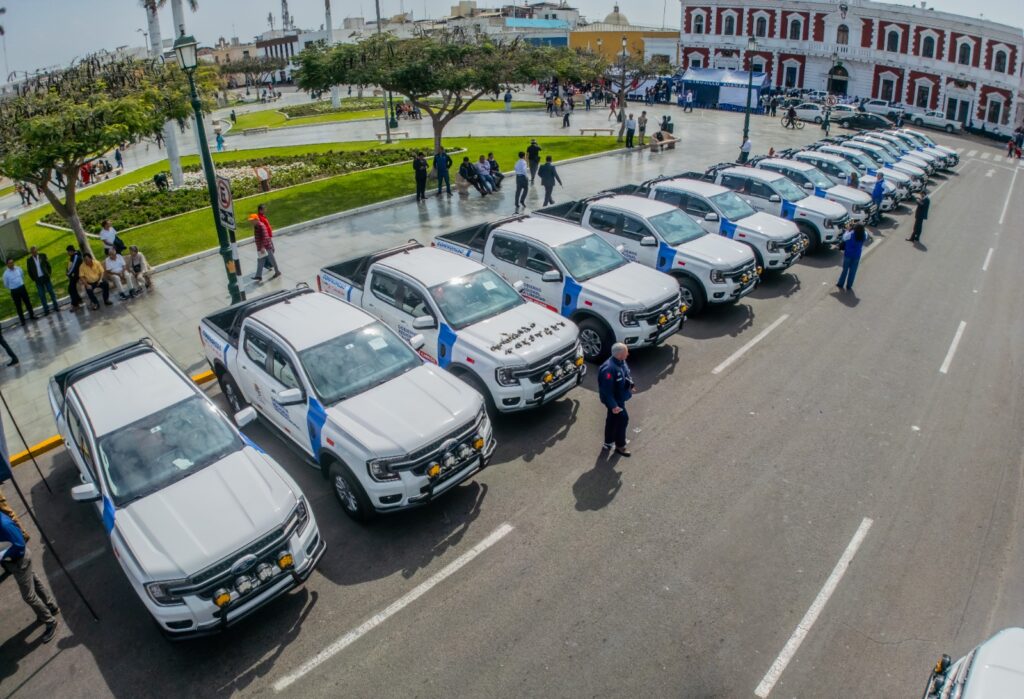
pixel 729 25
pixel 842 34
pixel 696 63
pixel 923 97
pixel 790 76
pixel 963 56
pixel 887 89
pixel 995 111
pixel 698 24
pixel 928 47
pixel 999 64
pixel 796 29
pixel 761 26
pixel 892 41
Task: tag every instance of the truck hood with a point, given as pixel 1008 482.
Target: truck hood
pixel 854 196
pixel 907 167
pixel 897 176
pixel 822 207
pixel 196 522
pixel 631 286
pixel 718 252
pixel 408 412
pixel 498 336
pixel 770 226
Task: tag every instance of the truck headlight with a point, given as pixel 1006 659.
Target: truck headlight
pixel 380 470
pixel 717 276
pixel 222 597
pixel 505 376
pixel 772 246
pixel 302 513
pixel 628 318
pixel 245 584
pixel 160 592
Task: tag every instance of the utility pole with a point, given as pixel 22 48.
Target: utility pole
pixel 387 118
pixel 329 26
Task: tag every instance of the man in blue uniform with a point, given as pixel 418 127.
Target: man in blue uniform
pixel 615 384
pixel 18 563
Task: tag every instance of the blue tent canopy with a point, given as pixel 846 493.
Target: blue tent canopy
pixel 722 88
pixel 723 77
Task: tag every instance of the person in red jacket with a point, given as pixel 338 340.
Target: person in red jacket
pixel 264 248
pixel 261 211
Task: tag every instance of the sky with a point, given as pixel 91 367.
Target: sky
pixel 41 33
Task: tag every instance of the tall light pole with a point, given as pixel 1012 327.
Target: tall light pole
pixel 329 26
pixel 387 118
pixel 185 49
pixel 751 46
pixel 622 95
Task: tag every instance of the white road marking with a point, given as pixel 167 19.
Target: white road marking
pixel 988 258
pixel 804 627
pixel 985 155
pixel 997 158
pixel 944 369
pixel 991 171
pixel 1006 204
pixel 960 150
pixel 972 153
pixel 392 609
pixel 745 348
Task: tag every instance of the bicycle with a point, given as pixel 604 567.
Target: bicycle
pixel 794 123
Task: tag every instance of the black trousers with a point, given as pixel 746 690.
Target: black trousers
pixel 548 188
pixel 76 298
pixel 615 428
pixel 20 296
pixel 421 186
pixel 918 225
pixel 90 291
pixel 3 343
pixel 522 187
pixel 629 138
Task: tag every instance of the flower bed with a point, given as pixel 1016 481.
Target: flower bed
pixel 350 104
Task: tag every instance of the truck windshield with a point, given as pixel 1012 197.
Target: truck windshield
pixel 863 160
pixel 589 257
pixel 478 296
pixel 787 190
pixel 731 206
pixel 676 227
pixel 817 177
pixel 844 167
pixel 163 448
pixel 356 361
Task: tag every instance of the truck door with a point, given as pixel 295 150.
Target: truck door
pixel 518 260
pixel 699 209
pixel 292 419
pixel 412 304
pixel 260 387
pixel 760 197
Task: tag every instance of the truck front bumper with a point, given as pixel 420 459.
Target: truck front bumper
pixel 529 394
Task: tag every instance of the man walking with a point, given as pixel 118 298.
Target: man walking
pixel 615 385
pixel 641 124
pixel 877 195
pixel 442 165
pixel 522 181
pixel 264 248
pixel 14 281
pixel 39 272
pixel 74 264
pixel 17 562
pixel 689 101
pixel 533 151
pixel 548 177
pixel 630 130
pixel 420 168
pixel 920 214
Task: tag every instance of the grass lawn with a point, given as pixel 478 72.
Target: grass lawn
pixel 194 231
pixel 273 119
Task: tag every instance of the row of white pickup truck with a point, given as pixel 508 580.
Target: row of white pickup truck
pixel 388 375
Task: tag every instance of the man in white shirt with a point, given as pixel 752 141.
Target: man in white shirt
pixel 14 281
pixel 522 181
pixel 630 130
pixel 745 151
pixel 117 270
pixel 108 234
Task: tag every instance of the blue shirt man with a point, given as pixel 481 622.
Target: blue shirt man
pixel 442 164
pixel 18 563
pixel 615 386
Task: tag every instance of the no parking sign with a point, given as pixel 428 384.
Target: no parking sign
pixel 225 203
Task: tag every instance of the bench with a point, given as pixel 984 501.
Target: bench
pixel 394 134
pixel 595 130
pixel 256 130
pixel 658 146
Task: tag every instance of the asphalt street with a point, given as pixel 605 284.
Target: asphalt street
pixel 824 514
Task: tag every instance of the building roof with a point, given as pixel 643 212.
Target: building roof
pixel 616 17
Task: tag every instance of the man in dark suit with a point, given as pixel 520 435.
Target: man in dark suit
pixel 920 214
pixel 548 177
pixel 38 267
pixel 74 265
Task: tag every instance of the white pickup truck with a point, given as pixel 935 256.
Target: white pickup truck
pixel 857 204
pixel 896 148
pixel 995 669
pixel 839 170
pixel 928 142
pixel 867 165
pixel 389 431
pixel 888 158
pixel 206 527
pixel 820 221
pixel 710 269
pixel 948 156
pixel 576 273
pixel 518 355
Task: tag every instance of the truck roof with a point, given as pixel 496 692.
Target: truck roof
pixel 546 230
pixel 754 173
pixel 129 390
pixel 782 162
pixel 828 157
pixel 704 189
pixel 431 266
pixel 311 319
pixel 641 206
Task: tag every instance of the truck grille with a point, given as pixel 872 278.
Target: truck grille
pixel 736 274
pixel 534 372
pixel 433 452
pixel 669 307
pixel 790 244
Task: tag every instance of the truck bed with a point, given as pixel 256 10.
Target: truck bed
pixel 571 211
pixel 228 322
pixel 355 269
pixel 475 237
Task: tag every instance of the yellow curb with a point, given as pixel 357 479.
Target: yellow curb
pixel 51 443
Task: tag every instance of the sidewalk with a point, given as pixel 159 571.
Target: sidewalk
pixel 181 296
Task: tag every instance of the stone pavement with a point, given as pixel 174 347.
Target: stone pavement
pixel 170 313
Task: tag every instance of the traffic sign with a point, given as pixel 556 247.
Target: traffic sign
pixel 225 203
pixel 831 100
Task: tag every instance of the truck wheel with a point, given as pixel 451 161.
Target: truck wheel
pixel 477 385
pixel 918 122
pixel 232 393
pixel 949 128
pixel 845 123
pixel 692 294
pixel 350 494
pixel 596 340
pixel 811 235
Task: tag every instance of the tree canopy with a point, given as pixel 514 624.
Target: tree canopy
pixel 257 70
pixel 59 121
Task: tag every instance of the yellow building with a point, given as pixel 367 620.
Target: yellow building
pixel 606 37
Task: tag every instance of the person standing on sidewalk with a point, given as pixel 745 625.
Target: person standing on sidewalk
pixel 508 100
pixel 263 175
pixel 38 267
pixel 745 149
pixel 641 124
pixel 533 153
pixel 877 195
pixel 920 215
pixel 74 265
pixel 14 281
pixel 17 561
pixel 615 386
pixel 853 245
pixel 264 248
pixel 442 166
pixel 13 362
pixel 630 130
pixel 522 181
pixel 548 177
pixel 420 168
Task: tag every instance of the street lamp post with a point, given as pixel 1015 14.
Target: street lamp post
pixel 751 46
pixel 389 119
pixel 622 96
pixel 185 49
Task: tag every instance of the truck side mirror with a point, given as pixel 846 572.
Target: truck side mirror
pixel 775 199
pixel 711 216
pixel 87 492
pixel 424 323
pixel 518 285
pixel 417 341
pixel 245 416
pixel 808 185
pixel 648 241
pixel 552 275
pixel 289 396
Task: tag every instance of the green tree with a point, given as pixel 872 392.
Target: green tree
pixel 257 70
pixel 61 120
pixel 627 72
pixel 453 69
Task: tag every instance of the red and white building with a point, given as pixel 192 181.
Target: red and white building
pixel 967 67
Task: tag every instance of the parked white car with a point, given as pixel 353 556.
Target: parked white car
pixel 857 203
pixel 810 111
pixel 886 109
pixel 205 525
pixel 935 120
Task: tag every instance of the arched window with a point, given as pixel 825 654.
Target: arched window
pixel 892 41
pixel 796 30
pixel 761 27
pixel 698 24
pixel 729 25
pixel 842 34
pixel 963 56
pixel 999 64
pixel 928 47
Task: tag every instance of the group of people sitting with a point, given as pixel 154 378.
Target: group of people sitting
pixel 484 175
pixel 407 110
pixel 130 273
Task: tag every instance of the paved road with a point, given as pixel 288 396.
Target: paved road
pixel 685 570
